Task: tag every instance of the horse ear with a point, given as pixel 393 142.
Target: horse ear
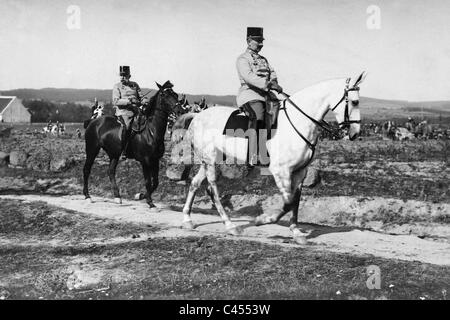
pixel 159 86
pixel 168 84
pixel 361 78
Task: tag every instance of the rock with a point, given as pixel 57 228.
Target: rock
pixel 312 178
pixel 59 164
pixel 18 158
pixel 139 196
pixel 174 172
pixel 5 133
pixel 43 184
pixel 84 280
pixel 39 160
pixel 233 171
pixel 4 294
pixel 4 158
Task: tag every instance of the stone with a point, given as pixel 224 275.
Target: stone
pixel 174 172
pixel 84 280
pixel 18 158
pixel 39 160
pixel 233 171
pixel 5 133
pixel 59 164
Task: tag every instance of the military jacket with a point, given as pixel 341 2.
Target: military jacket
pixel 254 73
pixel 122 93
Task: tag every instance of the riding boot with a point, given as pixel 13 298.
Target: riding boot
pixel 125 140
pixel 252 142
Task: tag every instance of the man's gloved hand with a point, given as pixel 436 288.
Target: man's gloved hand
pixel 275 86
pixel 133 100
pixel 144 101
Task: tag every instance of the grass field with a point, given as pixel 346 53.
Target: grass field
pixel 43 247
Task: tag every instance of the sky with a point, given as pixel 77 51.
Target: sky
pixel 403 45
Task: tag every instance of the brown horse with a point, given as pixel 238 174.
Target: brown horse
pixel 146 145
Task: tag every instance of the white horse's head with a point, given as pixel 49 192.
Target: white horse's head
pixel 347 109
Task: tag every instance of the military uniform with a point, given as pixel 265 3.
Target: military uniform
pixel 121 99
pixel 257 78
pixel 255 74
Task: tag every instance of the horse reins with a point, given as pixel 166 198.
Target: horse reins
pixel 323 124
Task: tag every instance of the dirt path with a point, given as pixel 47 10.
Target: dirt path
pixel 343 240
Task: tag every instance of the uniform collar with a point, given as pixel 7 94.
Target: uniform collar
pixel 252 53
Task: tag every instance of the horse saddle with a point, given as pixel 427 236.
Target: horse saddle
pixel 239 119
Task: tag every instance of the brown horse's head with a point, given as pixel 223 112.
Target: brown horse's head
pixel 163 101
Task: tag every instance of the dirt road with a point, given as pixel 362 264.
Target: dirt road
pixel 343 240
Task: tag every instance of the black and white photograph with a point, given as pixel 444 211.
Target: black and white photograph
pixel 237 151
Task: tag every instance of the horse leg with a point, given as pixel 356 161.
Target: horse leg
pixel 288 185
pixel 195 184
pixel 112 178
pixel 154 172
pixel 210 193
pixel 146 169
pixel 283 181
pixel 298 235
pixel 91 154
pixel 211 176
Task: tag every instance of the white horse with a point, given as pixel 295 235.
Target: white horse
pixel 291 149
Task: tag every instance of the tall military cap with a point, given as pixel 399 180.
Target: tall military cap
pixel 255 33
pixel 124 70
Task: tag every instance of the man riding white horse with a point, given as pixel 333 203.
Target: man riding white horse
pixel 291 149
pixel 257 78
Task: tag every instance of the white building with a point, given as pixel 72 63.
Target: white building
pixel 12 110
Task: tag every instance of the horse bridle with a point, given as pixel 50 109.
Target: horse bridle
pixel 156 109
pixel 159 98
pixel 346 123
pixel 323 124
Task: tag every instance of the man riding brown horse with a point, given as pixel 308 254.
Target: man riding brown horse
pixel 127 98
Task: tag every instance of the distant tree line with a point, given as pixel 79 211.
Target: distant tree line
pixel 42 111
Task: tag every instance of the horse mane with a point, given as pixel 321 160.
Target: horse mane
pixel 150 110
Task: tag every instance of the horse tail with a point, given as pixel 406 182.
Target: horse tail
pixel 180 126
pixel 180 135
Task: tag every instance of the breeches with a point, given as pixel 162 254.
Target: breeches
pixel 255 109
pixel 127 115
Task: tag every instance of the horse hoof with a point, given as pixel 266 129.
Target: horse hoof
pixel 301 240
pixel 118 200
pixel 262 219
pixel 234 230
pixel 259 220
pixel 299 236
pixel 89 200
pixel 154 209
pixel 189 225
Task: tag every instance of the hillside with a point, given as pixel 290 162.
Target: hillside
pixel 83 95
pixel 371 108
